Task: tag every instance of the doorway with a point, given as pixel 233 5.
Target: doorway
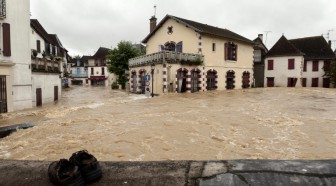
pixel 134 83
pixel 3 94
pixel 181 81
pixel 38 97
pixel 230 76
pixel 194 81
pixel 55 93
pixel 246 80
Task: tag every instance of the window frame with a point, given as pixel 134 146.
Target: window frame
pixel 231 51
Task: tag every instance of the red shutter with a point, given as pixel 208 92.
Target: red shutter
pixel 305 66
pixel 315 66
pixel 270 65
pixel 289 82
pixel 226 51
pixel 236 50
pixel 6 39
pixel 304 82
pixel 38 46
pixel 291 64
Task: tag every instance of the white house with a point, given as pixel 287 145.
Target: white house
pixel 15 60
pixel 79 71
pixel 49 59
pixel 298 63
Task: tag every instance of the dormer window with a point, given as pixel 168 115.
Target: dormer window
pixel 231 51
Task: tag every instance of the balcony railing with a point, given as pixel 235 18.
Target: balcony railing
pixel 2 9
pixel 79 75
pixel 44 65
pixel 167 56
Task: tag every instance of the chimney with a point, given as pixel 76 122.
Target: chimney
pixel 329 42
pixel 261 37
pixel 152 24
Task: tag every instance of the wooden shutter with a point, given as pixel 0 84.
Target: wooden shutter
pixel 6 39
pixel 270 65
pixel 305 66
pixel 38 46
pixel 226 51
pixel 236 52
pixel 179 46
pixel 291 64
pixel 289 82
pixel 315 66
pixel 304 82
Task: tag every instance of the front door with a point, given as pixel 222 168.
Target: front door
pixel 134 83
pixel 246 80
pixel 181 81
pixel 3 94
pixel 194 81
pixel 55 93
pixel 270 82
pixel 38 97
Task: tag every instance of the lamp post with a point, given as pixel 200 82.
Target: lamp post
pixel 152 68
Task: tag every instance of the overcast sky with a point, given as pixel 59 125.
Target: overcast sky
pixel 85 25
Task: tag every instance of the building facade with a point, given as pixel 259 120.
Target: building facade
pixel 191 57
pixel 259 53
pixel 15 60
pixel 48 61
pixel 299 63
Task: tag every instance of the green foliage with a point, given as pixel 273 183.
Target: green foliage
pixel 331 73
pixel 119 57
pixel 115 85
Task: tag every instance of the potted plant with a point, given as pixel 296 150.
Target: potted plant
pixel 44 54
pixel 34 53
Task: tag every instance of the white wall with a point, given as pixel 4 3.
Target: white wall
pixel 46 81
pixel 18 12
pixel 317 74
pixel 34 36
pixel 280 71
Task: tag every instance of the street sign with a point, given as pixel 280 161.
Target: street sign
pixel 147 77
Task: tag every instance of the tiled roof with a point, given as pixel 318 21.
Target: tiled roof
pixel 314 47
pixel 201 28
pixel 101 53
pixel 284 48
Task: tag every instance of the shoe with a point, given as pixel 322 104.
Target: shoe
pixel 88 165
pixel 63 172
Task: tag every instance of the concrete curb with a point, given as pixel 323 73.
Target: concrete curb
pixel 186 173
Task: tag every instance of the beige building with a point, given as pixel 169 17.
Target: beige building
pixel 191 57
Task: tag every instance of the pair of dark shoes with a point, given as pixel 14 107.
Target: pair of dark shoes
pixel 81 168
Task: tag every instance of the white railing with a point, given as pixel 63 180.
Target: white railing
pixel 167 56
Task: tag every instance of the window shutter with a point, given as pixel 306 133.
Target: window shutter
pixel 236 52
pixel 315 66
pixel 179 46
pixel 270 65
pixel 289 82
pixel 305 66
pixel 226 51
pixel 291 64
pixel 38 46
pixel 6 39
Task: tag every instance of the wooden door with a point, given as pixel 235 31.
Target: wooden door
pixel 38 97
pixel 3 94
pixel 55 93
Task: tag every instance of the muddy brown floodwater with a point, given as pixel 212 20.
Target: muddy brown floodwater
pixel 270 123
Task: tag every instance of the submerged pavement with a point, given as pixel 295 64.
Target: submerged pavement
pixel 186 173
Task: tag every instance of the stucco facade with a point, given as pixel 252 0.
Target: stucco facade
pixel 49 85
pixel 170 75
pixel 15 67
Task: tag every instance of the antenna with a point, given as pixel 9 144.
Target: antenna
pixel 266 32
pixel 154 10
pixel 327 35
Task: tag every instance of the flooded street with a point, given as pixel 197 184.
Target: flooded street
pixel 270 123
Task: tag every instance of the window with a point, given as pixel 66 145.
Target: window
pixel 326 66
pixel 38 46
pixel 305 66
pixel 6 39
pixel 231 51
pixel 213 47
pixel 257 55
pixel 170 46
pixel 291 64
pixel 270 82
pixel 103 70
pixel 315 66
pixel 211 80
pixel 304 82
pixel 270 65
pixel 315 82
pixel 291 82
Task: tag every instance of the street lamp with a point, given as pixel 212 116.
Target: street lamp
pixel 152 68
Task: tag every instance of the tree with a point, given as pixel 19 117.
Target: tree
pixel 119 57
pixel 330 72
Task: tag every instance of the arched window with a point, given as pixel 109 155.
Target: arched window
pixel 170 46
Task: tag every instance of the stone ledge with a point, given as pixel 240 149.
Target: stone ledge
pixel 203 173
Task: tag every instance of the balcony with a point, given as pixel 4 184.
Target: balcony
pixel 167 56
pixel 46 66
pixel 79 75
pixel 2 9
